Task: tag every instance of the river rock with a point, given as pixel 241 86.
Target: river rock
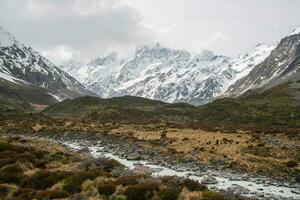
pixel 209 180
pixel 143 170
pixel 83 150
pixel 134 156
pixel 237 189
pixel 295 191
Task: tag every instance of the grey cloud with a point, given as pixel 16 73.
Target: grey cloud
pixel 91 27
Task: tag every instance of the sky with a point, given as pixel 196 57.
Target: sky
pixel 84 29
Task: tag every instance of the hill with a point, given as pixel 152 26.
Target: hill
pixel 273 110
pixel 127 109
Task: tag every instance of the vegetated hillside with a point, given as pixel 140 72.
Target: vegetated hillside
pixel 26 93
pixel 276 109
pixel 272 110
pixel 7 105
pixel 121 109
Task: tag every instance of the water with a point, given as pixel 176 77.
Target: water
pixel 256 189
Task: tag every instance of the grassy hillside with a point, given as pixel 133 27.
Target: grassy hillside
pixel 25 93
pixel 7 105
pixel 273 110
pixel 126 109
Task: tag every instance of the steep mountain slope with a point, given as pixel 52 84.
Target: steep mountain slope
pixel 22 65
pixel 279 67
pixel 168 75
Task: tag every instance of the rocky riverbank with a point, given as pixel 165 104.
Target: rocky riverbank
pixel 132 154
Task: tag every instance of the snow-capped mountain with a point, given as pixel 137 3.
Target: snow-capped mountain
pixel 159 73
pixel 23 65
pixel 279 67
pixel 166 74
pixel 173 75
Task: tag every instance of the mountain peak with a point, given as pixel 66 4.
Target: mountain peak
pixel 6 39
pixel 296 31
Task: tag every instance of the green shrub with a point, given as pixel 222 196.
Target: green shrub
pixel 5 146
pixel 107 189
pixel 130 180
pixel 25 156
pixel 291 164
pixel 6 161
pixel 170 193
pixel 41 163
pixel 51 194
pixel 43 179
pixel 10 178
pixel 24 193
pixel 4 190
pixel 12 169
pixel 172 181
pixel 73 183
pixel 39 154
pixel 192 185
pixel 209 195
pixel 120 197
pixel 140 192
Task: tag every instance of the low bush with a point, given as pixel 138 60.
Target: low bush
pixel 209 195
pixel 51 194
pixel 4 190
pixel 5 146
pixel 120 197
pixel 73 183
pixel 291 164
pixel 43 179
pixel 39 154
pixel 192 185
pixel 12 169
pixel 140 192
pixel 10 178
pixel 107 189
pixel 25 156
pixel 6 161
pixel 24 194
pixel 130 180
pixel 169 193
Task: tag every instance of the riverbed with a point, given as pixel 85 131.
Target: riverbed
pixel 239 184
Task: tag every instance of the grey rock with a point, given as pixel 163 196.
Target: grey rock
pixel 209 180
pixel 237 189
pixel 134 156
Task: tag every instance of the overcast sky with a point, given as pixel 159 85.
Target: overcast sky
pixel 85 29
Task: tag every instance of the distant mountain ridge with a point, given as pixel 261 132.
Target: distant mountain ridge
pixel 23 66
pixel 166 74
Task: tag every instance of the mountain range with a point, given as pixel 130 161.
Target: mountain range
pixel 173 75
pixel 154 72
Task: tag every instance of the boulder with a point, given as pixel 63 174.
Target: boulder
pixel 209 180
pixel 134 156
pixel 237 189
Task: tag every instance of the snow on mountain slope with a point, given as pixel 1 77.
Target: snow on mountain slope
pixel 245 63
pixel 159 73
pixel 18 61
pixel 75 68
pixel 169 75
pixel 278 67
pixel 295 31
